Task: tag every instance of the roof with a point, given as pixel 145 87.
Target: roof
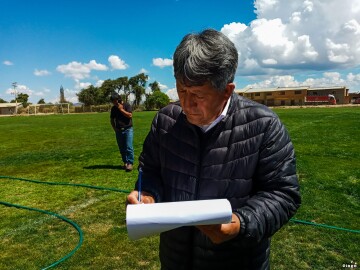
pixel 273 89
pixel 10 105
pixel 327 88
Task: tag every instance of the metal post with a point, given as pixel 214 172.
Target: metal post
pixel 14 84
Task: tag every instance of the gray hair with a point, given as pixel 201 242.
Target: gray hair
pixel 209 56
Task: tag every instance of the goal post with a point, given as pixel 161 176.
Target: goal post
pixel 58 108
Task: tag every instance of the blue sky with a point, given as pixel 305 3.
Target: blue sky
pixel 46 44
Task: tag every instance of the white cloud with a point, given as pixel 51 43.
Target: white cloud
pixel 305 48
pixel 95 66
pixel 162 86
pixel 308 6
pixel 20 88
pixel 352 26
pixel 295 17
pixel 43 72
pixel 39 94
pixel 269 61
pixel 298 35
pixel 172 94
pixel 8 63
pixel 34 95
pixel 117 63
pixel 75 70
pixel 353 82
pixel 276 81
pixel 162 62
pixel 270 33
pixel 327 79
pixel 82 85
pixel 80 71
pixel 23 89
pixel 233 29
pixel 353 77
pixel 143 70
pixel 338 53
pixel 264 6
pixel 99 83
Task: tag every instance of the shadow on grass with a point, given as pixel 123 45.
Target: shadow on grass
pixel 109 167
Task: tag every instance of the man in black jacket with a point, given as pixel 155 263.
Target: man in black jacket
pixel 214 144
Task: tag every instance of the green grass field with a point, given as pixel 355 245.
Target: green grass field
pixel 81 149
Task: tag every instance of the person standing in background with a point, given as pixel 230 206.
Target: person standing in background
pixel 121 122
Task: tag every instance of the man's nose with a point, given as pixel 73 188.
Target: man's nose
pixel 190 100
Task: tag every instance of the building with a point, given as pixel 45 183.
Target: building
pixel 297 96
pixel 9 108
pixel 354 98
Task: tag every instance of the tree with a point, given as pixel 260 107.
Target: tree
pixel 90 96
pixel 3 101
pixel 41 101
pixel 110 86
pixel 122 85
pixel 22 98
pixel 138 84
pixel 154 86
pixel 149 102
pixel 156 100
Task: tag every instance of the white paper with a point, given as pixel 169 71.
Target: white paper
pixel 144 220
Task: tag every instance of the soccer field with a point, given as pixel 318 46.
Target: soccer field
pixel 75 153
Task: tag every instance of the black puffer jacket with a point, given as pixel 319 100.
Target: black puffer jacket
pixel 247 158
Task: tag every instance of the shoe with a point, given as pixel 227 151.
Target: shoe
pixel 129 167
pixel 124 166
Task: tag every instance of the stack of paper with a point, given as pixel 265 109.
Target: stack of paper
pixel 144 220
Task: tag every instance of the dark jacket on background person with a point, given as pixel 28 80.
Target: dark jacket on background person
pixel 120 120
pixel 247 158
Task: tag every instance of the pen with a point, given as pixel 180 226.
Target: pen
pixel 139 185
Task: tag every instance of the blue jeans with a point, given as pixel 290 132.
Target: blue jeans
pixel 124 139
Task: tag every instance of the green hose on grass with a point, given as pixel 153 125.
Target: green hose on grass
pixel 116 190
pixel 72 223
pixel 323 225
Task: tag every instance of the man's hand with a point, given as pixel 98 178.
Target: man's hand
pixel 220 233
pixel 132 198
pixel 123 111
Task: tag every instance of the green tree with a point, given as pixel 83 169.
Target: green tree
pixel 90 96
pixel 156 100
pixel 3 101
pixel 111 86
pixel 107 87
pixel 41 101
pixel 22 98
pixel 122 87
pixel 138 84
pixel 154 86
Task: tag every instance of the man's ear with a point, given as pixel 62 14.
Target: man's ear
pixel 229 89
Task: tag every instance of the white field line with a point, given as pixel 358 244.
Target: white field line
pixel 37 222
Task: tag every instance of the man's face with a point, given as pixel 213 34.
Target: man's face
pixel 115 102
pixel 202 104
